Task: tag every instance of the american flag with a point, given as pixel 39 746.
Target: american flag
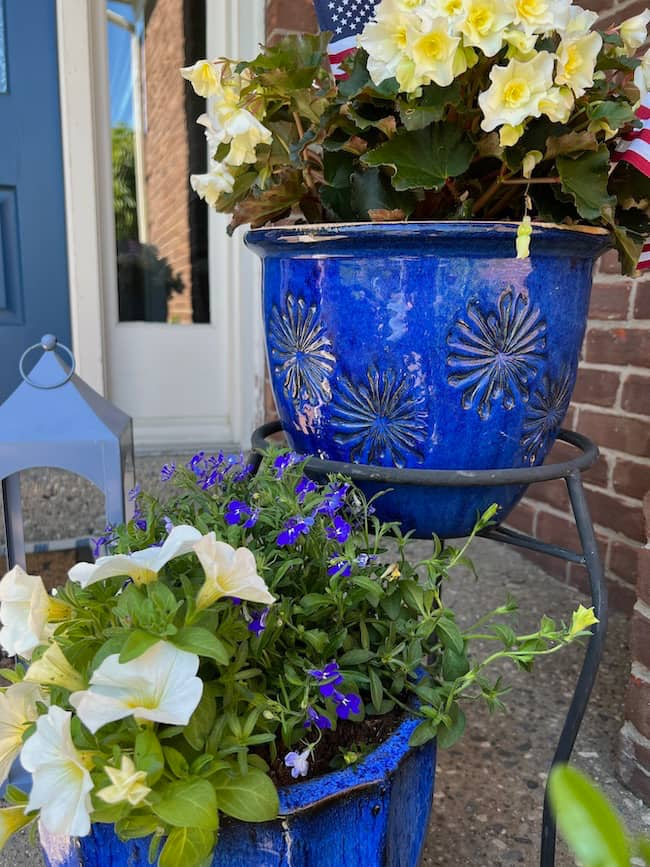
pixel 346 19
pixel 634 148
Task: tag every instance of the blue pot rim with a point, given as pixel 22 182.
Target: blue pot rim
pixel 380 764
pixel 548 238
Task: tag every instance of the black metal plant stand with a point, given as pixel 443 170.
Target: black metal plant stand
pixel 571 472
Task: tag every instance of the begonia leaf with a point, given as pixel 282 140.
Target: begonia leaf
pixel 585 180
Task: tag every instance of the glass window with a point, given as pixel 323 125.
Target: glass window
pixel 3 51
pixel 160 224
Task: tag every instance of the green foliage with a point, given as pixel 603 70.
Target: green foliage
pixel 124 190
pixel 591 827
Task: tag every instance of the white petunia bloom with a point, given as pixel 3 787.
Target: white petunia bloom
pixel 576 61
pixel 214 184
pixel 204 76
pixel 160 685
pixel 434 53
pixel 127 784
pixel 484 22
pixel 17 712
pixel 142 566
pixel 25 608
pixel 634 31
pixel 229 572
pixel 61 784
pixel 516 91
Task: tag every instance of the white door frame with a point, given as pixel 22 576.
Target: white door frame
pixel 235 28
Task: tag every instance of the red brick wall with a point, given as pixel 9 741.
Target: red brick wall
pixel 166 148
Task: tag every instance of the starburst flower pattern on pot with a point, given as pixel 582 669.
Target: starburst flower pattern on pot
pixel 381 418
pixel 300 352
pixel 494 355
pixel 544 414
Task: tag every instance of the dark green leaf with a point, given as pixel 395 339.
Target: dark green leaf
pixel 250 797
pixel 425 158
pixel 376 689
pixel 356 657
pixel 188 804
pixel 423 733
pixel 615 114
pixel 585 180
pixel 450 634
pixel 429 107
pixel 448 734
pixel 587 822
pixel 371 190
pixel 454 665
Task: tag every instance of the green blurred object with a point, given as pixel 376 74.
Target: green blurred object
pixel 589 824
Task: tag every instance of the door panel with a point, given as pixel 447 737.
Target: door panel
pixel 33 259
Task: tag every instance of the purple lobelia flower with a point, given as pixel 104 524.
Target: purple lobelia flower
pixel 339 566
pixel 339 531
pixel 314 718
pixel 305 486
pixel 107 539
pixel 293 529
pixel 258 623
pixel 167 471
pixel 196 463
pixel 283 462
pixel 168 524
pixel 363 559
pixel 298 762
pixel 328 678
pixel 347 704
pixel 334 499
pixel 134 493
pixel 235 511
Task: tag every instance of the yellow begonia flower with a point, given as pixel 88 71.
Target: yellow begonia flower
pixel 386 41
pixel 541 16
pixel 26 609
pixel 160 685
pixel 642 75
pixel 229 572
pixel 510 135
pixel 557 104
pixel 579 22
pixel 581 620
pixel 524 231
pixel 204 76
pixel 214 184
pixel 434 54
pixel 576 61
pixel 127 784
pixel 597 126
pixel 142 566
pixel 12 819
pixel 531 159
pixel 516 91
pixel 17 712
pixel 521 45
pixel 53 669
pixel 484 23
pixel 634 31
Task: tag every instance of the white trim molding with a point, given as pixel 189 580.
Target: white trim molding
pixel 81 135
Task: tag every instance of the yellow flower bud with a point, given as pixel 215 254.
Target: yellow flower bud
pixel 524 231
pixel 581 620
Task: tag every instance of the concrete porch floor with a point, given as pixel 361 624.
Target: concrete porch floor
pixel 489 788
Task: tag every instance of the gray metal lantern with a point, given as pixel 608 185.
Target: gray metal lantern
pixel 54 419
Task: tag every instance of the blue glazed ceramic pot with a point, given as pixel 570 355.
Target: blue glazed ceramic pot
pixel 426 345
pixel 374 814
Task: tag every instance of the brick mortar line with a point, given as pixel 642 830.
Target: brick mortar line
pixel 606 367
pixel 636 735
pixel 607 451
pixel 611 411
pixel 607 532
pixel 631 304
pixel 640 671
pixel 642 609
pixel 618 324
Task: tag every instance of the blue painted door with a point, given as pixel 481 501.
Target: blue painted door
pixel 33 259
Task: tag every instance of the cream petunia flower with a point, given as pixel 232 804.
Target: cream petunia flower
pixel 61 784
pixel 160 685
pixel 204 76
pixel 25 610
pixel 53 669
pixel 127 784
pixel 516 91
pixel 142 566
pixel 576 61
pixel 17 712
pixel 229 572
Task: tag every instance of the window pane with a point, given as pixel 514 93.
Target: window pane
pixel 160 224
pixel 3 52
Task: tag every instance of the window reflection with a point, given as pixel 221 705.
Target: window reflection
pixel 3 51
pixel 160 224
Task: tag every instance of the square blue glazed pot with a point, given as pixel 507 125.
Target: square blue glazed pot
pixel 426 345
pixel 375 814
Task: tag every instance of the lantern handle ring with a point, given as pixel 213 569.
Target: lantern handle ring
pixel 48 343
